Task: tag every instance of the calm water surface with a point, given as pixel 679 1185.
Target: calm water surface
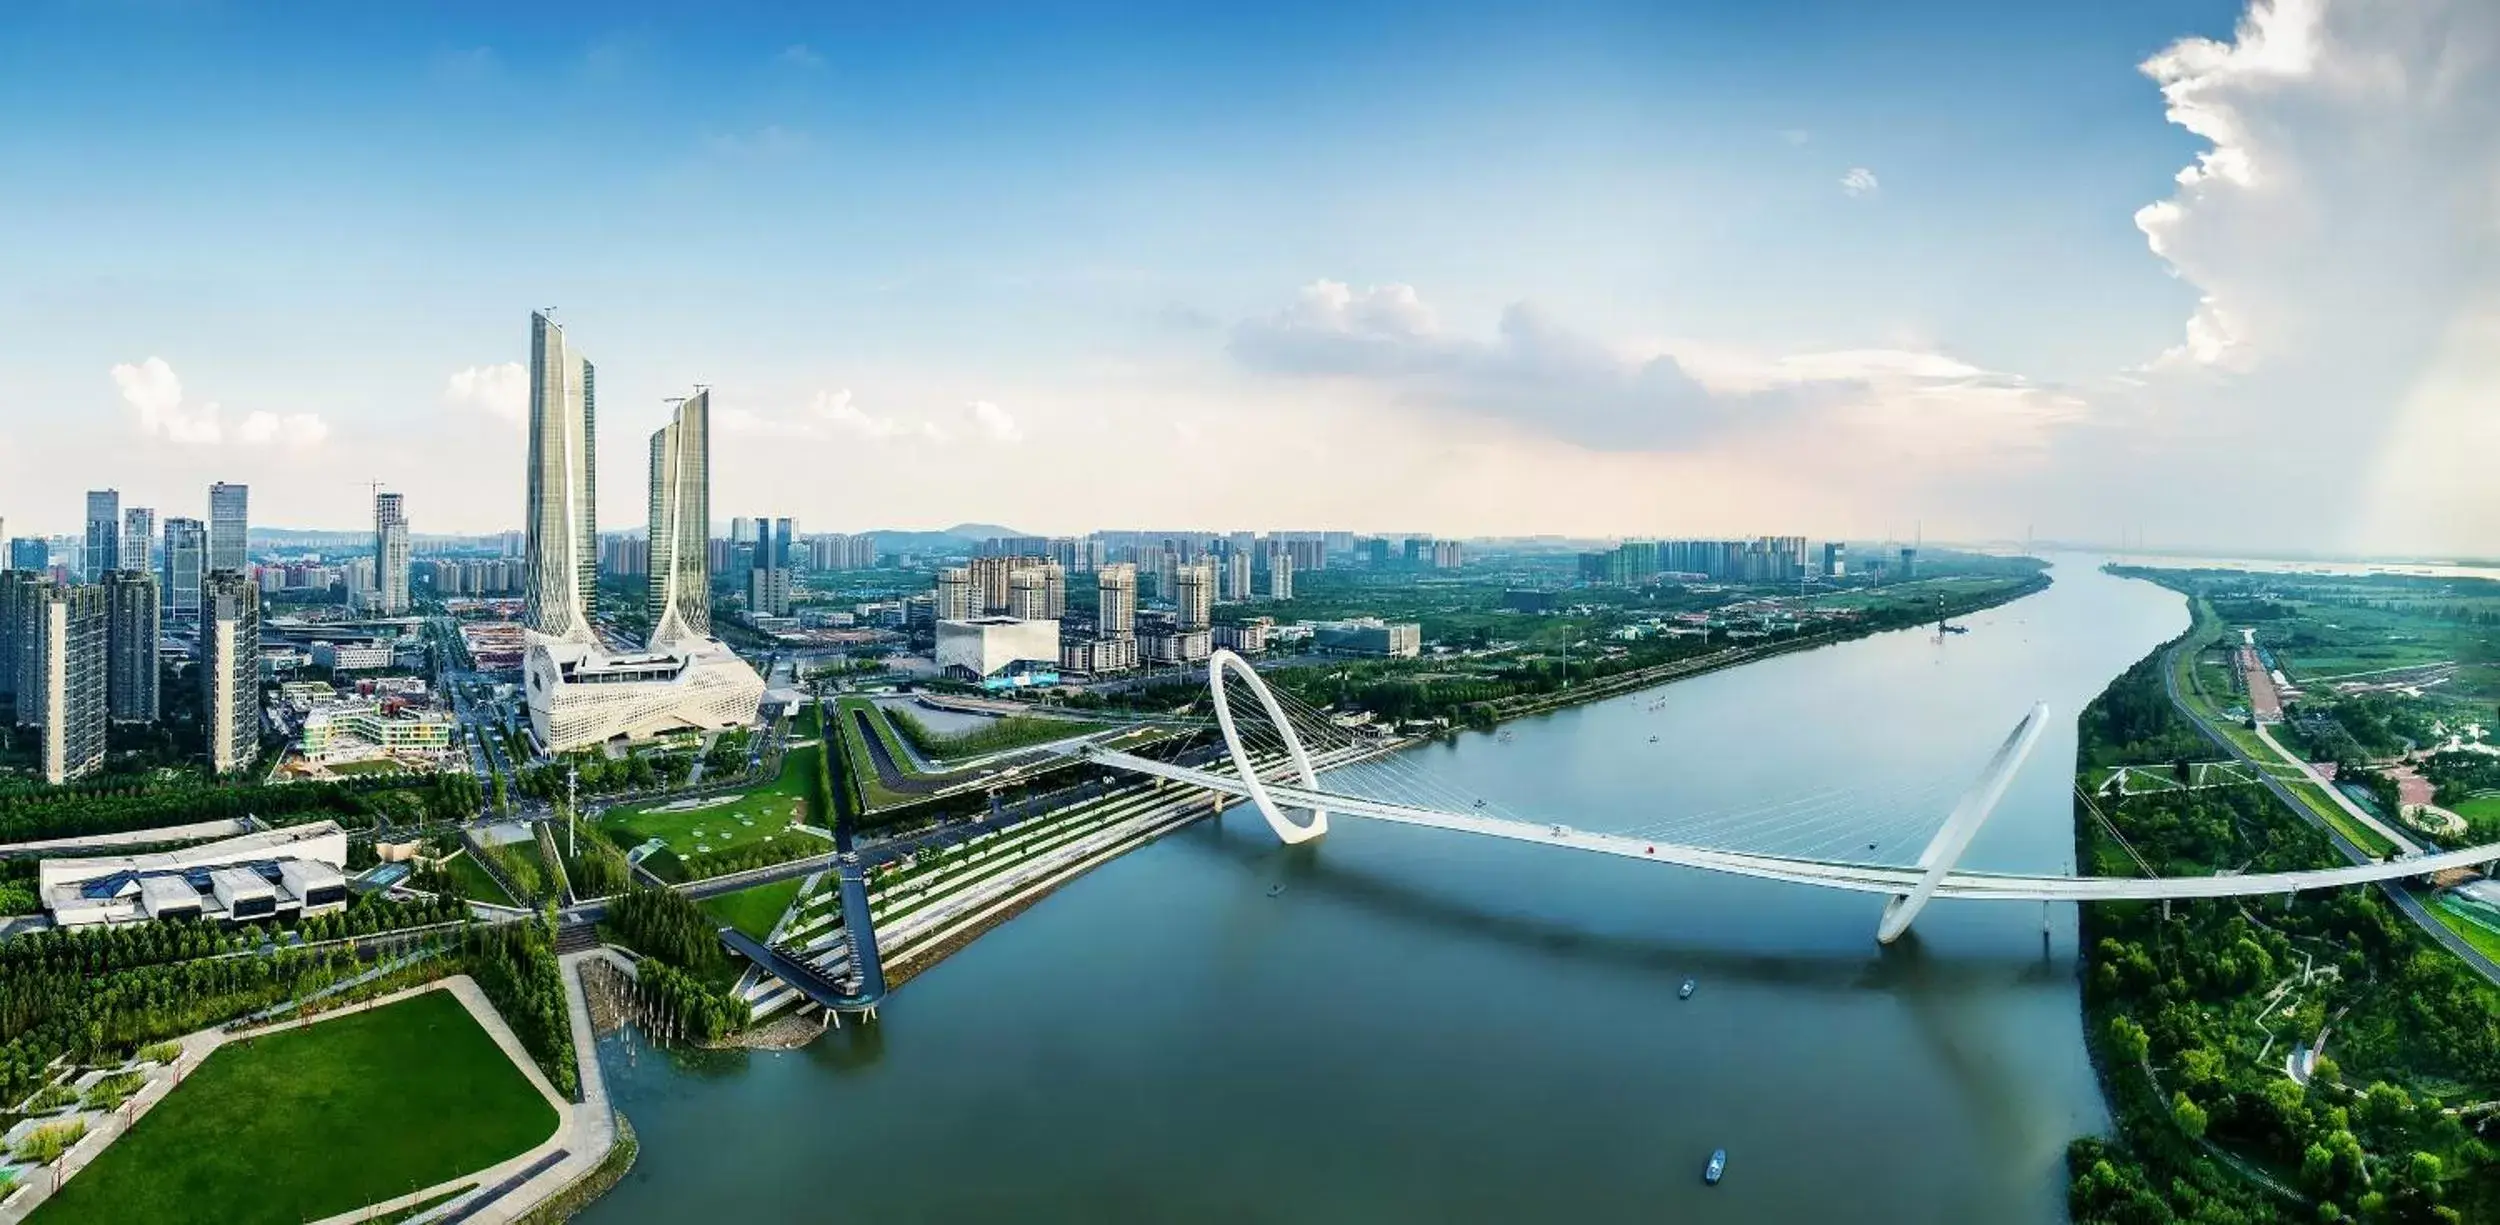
pixel 1430 1027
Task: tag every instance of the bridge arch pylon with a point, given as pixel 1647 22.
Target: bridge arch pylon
pixel 1220 663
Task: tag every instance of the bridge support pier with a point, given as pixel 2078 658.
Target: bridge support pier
pixel 1946 848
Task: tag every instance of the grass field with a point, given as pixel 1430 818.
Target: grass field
pixel 754 911
pixel 475 884
pixel 719 823
pixel 2480 807
pixel 2332 813
pixel 313 1122
pixel 2472 927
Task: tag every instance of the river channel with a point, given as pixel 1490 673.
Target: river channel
pixel 1429 1027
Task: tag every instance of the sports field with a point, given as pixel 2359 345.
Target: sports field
pixel 312 1122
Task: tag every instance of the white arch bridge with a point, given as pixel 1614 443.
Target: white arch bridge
pixel 1278 771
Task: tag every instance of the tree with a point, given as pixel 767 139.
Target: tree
pixel 2188 1115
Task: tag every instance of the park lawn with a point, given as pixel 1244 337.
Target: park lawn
pixel 2332 813
pixel 754 910
pixel 873 793
pixel 311 1122
pixel 762 814
pixel 2478 807
pixel 474 882
pixel 2474 931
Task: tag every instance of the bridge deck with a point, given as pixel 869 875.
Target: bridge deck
pixel 1864 878
pixel 818 986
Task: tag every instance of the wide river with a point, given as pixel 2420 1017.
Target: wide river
pixel 1429 1027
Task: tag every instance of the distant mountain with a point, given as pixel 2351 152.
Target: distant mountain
pixel 959 537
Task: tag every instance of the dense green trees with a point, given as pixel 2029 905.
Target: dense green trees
pixel 666 924
pixel 2210 997
pixel 116 804
pixel 515 964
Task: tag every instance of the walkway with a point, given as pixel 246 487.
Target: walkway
pixel 2404 845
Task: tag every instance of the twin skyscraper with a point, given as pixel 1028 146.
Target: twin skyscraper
pixel 582 690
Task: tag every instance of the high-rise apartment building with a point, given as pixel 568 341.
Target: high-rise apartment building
pixel 229 663
pixel 563 518
pixel 1280 574
pixel 1054 591
pixel 229 527
pixel 1025 595
pixel 1116 588
pixel 62 687
pixel 679 592
pixel 390 554
pixel 954 598
pixel 19 589
pixel 130 646
pixel 102 544
pixel 138 543
pixel 1236 574
pixel 1835 559
pixel 785 543
pixel 183 564
pixel 29 553
pixel 768 577
pixel 1193 596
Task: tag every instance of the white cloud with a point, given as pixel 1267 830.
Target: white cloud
pixel 993 422
pixel 502 390
pixel 152 388
pixel 2338 236
pixel 294 431
pixel 838 408
pixel 1859 182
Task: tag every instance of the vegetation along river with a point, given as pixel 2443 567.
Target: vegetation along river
pixel 1430 1027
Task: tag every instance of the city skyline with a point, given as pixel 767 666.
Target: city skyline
pixel 1722 278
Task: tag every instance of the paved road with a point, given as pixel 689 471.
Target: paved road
pixel 2401 894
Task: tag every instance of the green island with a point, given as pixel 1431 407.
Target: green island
pixel 2205 1019
pixel 309 1122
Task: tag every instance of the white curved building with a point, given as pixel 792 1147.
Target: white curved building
pixel 580 693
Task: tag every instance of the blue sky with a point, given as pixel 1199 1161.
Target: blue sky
pixel 1111 226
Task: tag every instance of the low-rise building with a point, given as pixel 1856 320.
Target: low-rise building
pixel 1370 636
pixel 1095 656
pixel 347 731
pixel 279 874
pixel 999 652
pixel 1243 638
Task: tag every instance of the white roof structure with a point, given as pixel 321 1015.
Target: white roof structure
pixel 582 695
pixel 986 646
pixel 281 868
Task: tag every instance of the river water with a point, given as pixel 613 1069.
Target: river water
pixel 1430 1027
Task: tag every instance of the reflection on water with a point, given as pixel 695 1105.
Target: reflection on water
pixel 1425 1026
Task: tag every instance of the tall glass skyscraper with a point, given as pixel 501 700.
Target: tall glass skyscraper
pixel 185 563
pixel 138 545
pixel 563 518
pixel 680 602
pixel 229 524
pixel 103 541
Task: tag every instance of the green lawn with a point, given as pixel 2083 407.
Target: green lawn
pixel 474 883
pixel 721 823
pixel 2333 814
pixel 755 910
pixel 313 1122
pixel 2479 807
pixel 2474 928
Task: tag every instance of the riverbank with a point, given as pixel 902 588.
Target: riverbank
pixel 2205 1019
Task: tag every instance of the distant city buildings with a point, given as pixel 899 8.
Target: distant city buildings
pixel 1193 596
pixel 1280 574
pixel 29 553
pixel 768 575
pixel 840 552
pixel 1763 559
